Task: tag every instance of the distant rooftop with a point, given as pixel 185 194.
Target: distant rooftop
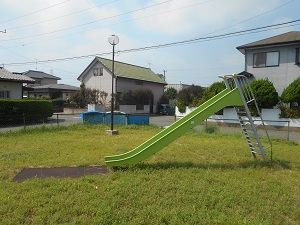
pixel 5 75
pixel 282 39
pixel 40 75
pixel 65 87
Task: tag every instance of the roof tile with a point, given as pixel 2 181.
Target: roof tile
pixel 125 70
pixel 9 76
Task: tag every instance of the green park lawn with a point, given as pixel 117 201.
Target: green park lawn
pixel 198 179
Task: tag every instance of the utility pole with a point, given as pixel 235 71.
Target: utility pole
pixel 164 75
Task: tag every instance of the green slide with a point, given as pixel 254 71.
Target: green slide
pixel 168 135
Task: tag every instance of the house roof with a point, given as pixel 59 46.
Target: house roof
pixel 62 87
pixel 282 39
pixel 5 75
pixel 129 71
pixel 40 75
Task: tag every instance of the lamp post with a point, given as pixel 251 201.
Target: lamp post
pixel 113 40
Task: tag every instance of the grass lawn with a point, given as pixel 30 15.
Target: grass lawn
pixel 198 179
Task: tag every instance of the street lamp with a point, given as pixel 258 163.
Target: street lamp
pixel 113 40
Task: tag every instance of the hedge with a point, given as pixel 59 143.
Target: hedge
pixel 37 108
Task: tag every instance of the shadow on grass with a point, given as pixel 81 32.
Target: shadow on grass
pixel 242 165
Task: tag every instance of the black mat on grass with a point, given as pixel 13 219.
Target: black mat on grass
pixel 59 172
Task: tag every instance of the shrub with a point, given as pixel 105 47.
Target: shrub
pixel 210 129
pixel 142 96
pixel 86 96
pixel 163 100
pixel 171 93
pixel 188 97
pixel 265 93
pixel 58 104
pixel 213 90
pixel 290 108
pixel 291 94
pixel 37 109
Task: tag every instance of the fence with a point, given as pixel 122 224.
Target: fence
pixel 276 129
pixel 224 125
pixel 18 122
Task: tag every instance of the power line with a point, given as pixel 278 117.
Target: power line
pixel 28 14
pixel 190 41
pixel 80 11
pixel 144 17
pixel 88 23
pixel 280 6
pixel 243 21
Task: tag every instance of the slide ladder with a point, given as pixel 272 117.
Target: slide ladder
pixel 248 124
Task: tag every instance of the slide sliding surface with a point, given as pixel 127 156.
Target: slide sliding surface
pixel 175 130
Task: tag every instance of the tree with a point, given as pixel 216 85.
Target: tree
pixel 163 99
pixel 86 96
pixel 291 94
pixel 188 97
pixel 265 93
pixel 213 90
pixel 142 96
pixel 171 93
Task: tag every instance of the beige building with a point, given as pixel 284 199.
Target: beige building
pixel 98 75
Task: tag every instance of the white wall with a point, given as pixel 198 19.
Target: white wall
pixel 15 89
pixel 270 117
pixel 102 83
pixel 132 109
pixel 281 75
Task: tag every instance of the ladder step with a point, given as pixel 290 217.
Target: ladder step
pixel 255 152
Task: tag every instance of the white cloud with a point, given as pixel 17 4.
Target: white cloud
pixel 187 16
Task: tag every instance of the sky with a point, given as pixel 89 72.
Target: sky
pixel 62 37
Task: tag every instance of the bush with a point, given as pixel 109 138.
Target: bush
pixel 188 97
pixel 171 93
pixel 210 129
pixel 213 90
pixel 11 109
pixel 58 104
pixel 142 96
pixel 86 96
pixel 265 94
pixel 291 94
pixel 163 100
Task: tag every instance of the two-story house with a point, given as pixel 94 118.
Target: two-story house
pixel 98 75
pixel 46 86
pixel 276 58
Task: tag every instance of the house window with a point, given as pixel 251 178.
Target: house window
pixel 265 59
pixel 297 55
pixel 139 83
pixel 98 71
pixel 4 94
